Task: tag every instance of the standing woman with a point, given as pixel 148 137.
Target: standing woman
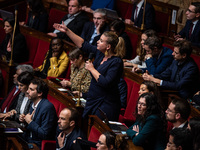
pixel 37 16
pixel 20 52
pixel 148 130
pixel 106 71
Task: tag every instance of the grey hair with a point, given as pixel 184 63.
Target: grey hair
pixel 25 67
pixel 101 11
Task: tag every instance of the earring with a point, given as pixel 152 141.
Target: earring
pixel 106 53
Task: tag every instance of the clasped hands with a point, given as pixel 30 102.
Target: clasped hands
pixel 26 118
pixel 61 27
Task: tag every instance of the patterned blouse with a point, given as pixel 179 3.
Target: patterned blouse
pixel 78 75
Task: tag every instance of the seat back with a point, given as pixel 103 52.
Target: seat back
pixel 55 16
pixel 43 47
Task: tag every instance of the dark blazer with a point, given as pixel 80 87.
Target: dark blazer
pixel 195 37
pixel 155 66
pixel 76 25
pixel 151 134
pixel 20 52
pixel 19 103
pixel 88 30
pixel 43 126
pixel 149 19
pixel 40 22
pixel 73 135
pixel 188 78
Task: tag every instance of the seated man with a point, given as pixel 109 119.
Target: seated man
pixel 41 119
pixel 68 129
pixel 178 113
pixel 93 30
pixel 157 58
pixel 191 31
pixel 137 15
pixel 179 139
pixel 182 75
pixel 10 102
pixel 74 20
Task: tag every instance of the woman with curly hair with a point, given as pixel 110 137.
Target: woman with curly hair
pixel 149 129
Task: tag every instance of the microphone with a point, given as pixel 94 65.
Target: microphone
pixel 16 9
pixel 91 56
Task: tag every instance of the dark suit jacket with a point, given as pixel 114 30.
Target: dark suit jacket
pixel 188 78
pixel 73 135
pixel 195 37
pixel 155 66
pixel 88 30
pixel 76 25
pixel 43 126
pixel 20 52
pixel 149 19
pixel 40 22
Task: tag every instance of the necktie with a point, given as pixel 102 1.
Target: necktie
pixel 190 31
pixel 135 14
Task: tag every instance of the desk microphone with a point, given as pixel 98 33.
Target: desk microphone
pixel 91 56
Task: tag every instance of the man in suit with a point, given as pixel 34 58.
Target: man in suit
pixel 41 119
pixel 178 113
pixel 68 129
pixel 74 20
pixel 137 15
pixel 182 75
pixel 93 30
pixel 191 31
pixel 10 102
pixel 157 57
pixel 179 139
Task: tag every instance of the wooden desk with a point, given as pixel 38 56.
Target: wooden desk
pixel 102 127
pixel 60 96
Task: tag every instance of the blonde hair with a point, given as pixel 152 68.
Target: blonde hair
pixel 117 43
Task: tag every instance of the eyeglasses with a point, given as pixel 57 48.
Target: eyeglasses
pixel 100 143
pixel 169 110
pixel 142 104
pixel 98 18
pixel 190 11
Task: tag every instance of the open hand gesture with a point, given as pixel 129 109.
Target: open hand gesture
pixel 61 27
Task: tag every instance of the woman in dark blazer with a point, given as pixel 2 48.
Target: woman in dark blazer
pixel 20 52
pixel 148 130
pixel 23 103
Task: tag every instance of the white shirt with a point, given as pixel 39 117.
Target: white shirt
pixel 139 5
pixel 23 105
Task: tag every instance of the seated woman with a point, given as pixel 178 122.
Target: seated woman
pixel 139 60
pixel 37 16
pixel 56 60
pixel 79 75
pixel 20 52
pixel 148 130
pixel 118 26
pixel 23 103
pixel 107 141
